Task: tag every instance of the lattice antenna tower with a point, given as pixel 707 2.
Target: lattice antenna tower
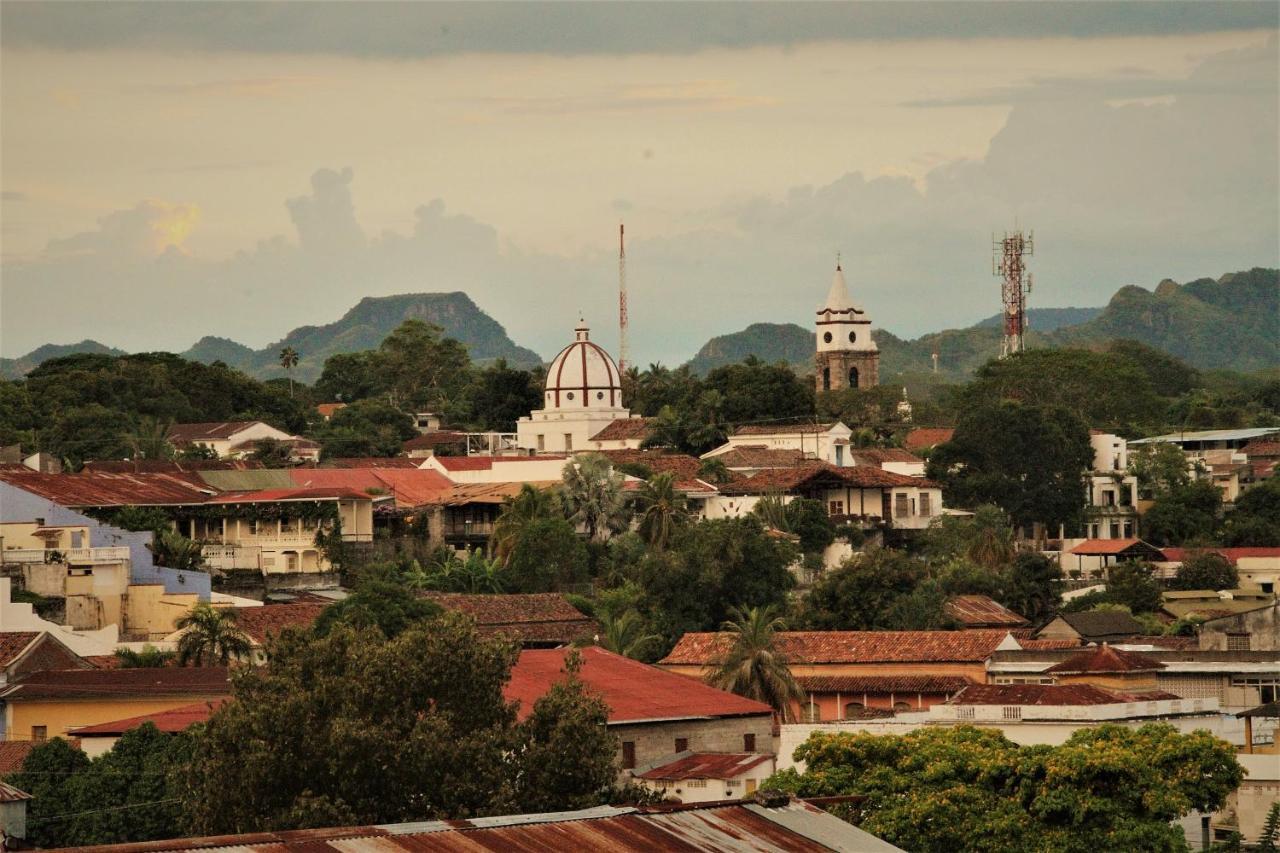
pixel 624 348
pixel 1015 283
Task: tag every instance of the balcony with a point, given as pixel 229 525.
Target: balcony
pixel 69 556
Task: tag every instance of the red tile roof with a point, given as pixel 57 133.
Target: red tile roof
pixel 14 643
pixel 369 462
pixel 707 765
pixel 175 720
pixel 759 456
pixel 921 438
pixel 112 489
pixel 1049 643
pixel 140 683
pixel 881 455
pixel 1049 694
pixel 624 429
pixel 822 475
pixel 1261 447
pixel 261 623
pixel 327 410
pixel 635 692
pixel 1105 659
pixel 12 754
pixel 409 487
pixel 210 431
pixel 783 429
pixel 1233 555
pixel 981 611
pixel 818 647
pixel 684 467
pixel 279 495
pixel 883 684
pixel 529 618
pixel 1113 547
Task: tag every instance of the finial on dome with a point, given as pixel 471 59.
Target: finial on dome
pixel 838 267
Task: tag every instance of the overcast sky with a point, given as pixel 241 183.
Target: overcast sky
pixel 176 170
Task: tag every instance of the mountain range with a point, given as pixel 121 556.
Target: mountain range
pixel 1229 322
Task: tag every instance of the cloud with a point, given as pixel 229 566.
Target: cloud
pixel 1126 194
pixel 392 29
pixel 254 87
pixel 13 195
pixel 691 96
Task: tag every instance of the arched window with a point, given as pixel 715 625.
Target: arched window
pixel 853 710
pixel 902 706
pixel 853 377
pixel 826 379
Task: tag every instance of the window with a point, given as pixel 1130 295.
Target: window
pixel 826 337
pixel 926 504
pixel 542 441
pixel 682 744
pixel 569 395
pixel 852 710
pixel 1238 642
pixel 812 714
pixel 39 734
pixel 695 783
pixel 599 395
pixel 628 754
pixel 568 441
pixel 1268 686
pixel 749 742
pixel 853 377
pixel 835 508
pixel 853 337
pixel 901 508
pixel 826 379
pixel 1012 712
pixel 1267 586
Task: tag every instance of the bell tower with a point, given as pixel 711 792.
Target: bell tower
pixel 847 356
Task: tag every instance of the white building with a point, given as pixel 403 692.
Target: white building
pixel 828 442
pixel 582 396
pixel 227 439
pixel 1113 492
pixel 847 355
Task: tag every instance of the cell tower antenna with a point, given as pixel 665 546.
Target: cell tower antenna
pixel 624 349
pixel 1015 283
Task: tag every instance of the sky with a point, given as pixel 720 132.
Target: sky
pixel 176 170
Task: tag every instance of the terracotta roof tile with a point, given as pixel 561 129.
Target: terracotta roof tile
pixel 14 643
pixel 624 429
pixel 881 455
pixel 783 429
pixel 1233 555
pixel 816 647
pixel 12 754
pixel 921 438
pixel 1114 547
pixel 528 618
pixel 174 720
pixel 822 475
pixel 301 494
pixel 634 691
pixel 119 683
pixel 707 765
pixel 981 611
pixel 1042 694
pixel 1261 447
pixel 436 438
pixel 759 456
pixel 261 623
pixel 1049 643
pixel 883 684
pixel 1105 659
pixel 367 462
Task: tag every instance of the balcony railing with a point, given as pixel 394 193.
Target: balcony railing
pixel 71 556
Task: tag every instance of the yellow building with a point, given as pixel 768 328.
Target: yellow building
pixel 51 703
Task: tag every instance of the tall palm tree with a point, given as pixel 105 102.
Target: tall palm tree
pixel 991 542
pixel 593 496
pixel 289 360
pixel 528 506
pixel 146 657
pixel 753 666
pixel 210 636
pixel 149 438
pixel 662 508
pixel 624 635
pixel 714 470
pixel 175 551
pixel 772 510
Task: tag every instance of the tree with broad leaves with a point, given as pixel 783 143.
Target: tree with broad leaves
pixel 1205 570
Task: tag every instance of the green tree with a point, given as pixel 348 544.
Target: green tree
pixel 385 731
pixel 985 538
pixel 289 360
pixel 882 589
pixel 962 788
pixel 148 438
pixel 423 368
pixel 1159 468
pixel 146 657
pixel 808 519
pixel 662 510
pixel 752 391
pixel 530 505
pixel 625 634
pixel 1205 570
pixel 272 453
pixel 546 555
pixel 47 773
pixel 1032 586
pixel 500 396
pixel 210 637
pixel 1132 584
pixel 753 666
pixel 1255 521
pixel 1028 460
pixel 365 428
pixel 1184 515
pixel 377 603
pixel 171 549
pixel 593 496
pixel 714 471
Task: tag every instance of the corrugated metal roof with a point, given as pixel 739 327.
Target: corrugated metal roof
pixel 706 765
pixel 112 488
pixel 723 827
pixel 982 611
pixel 1210 435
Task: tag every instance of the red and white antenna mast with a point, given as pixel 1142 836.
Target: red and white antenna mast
pixel 624 349
pixel 1015 285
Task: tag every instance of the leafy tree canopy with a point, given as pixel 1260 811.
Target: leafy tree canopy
pixel 380 603
pixel 1205 570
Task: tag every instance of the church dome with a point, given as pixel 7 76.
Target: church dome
pixel 583 375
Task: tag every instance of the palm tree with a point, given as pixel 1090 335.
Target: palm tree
pixel 991 542
pixel 175 551
pixel 149 438
pixel 623 634
pixel 593 496
pixel 714 470
pixel 148 657
pixel 528 506
pixel 210 635
pixel 480 575
pixel 753 666
pixel 662 508
pixel 772 510
pixel 289 360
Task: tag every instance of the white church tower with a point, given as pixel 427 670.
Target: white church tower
pixel 847 355
pixel 582 395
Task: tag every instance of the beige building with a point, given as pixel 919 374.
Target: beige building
pixel 847 355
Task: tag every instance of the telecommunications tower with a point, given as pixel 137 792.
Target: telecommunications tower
pixel 624 352
pixel 1015 284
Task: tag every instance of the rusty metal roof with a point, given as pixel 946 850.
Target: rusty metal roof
pixel 727 827
pixel 982 611
pixel 112 488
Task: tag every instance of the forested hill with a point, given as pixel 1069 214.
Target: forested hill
pixel 363 327
pixel 1231 322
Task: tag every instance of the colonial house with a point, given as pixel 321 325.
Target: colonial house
pixel 226 439
pixel 893 459
pixel 855 495
pixel 847 672
pixel 1256 567
pixel 748 459
pixel 1111 512
pixel 827 442
pixel 656 715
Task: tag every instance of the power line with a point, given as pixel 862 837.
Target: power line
pixel 100 811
